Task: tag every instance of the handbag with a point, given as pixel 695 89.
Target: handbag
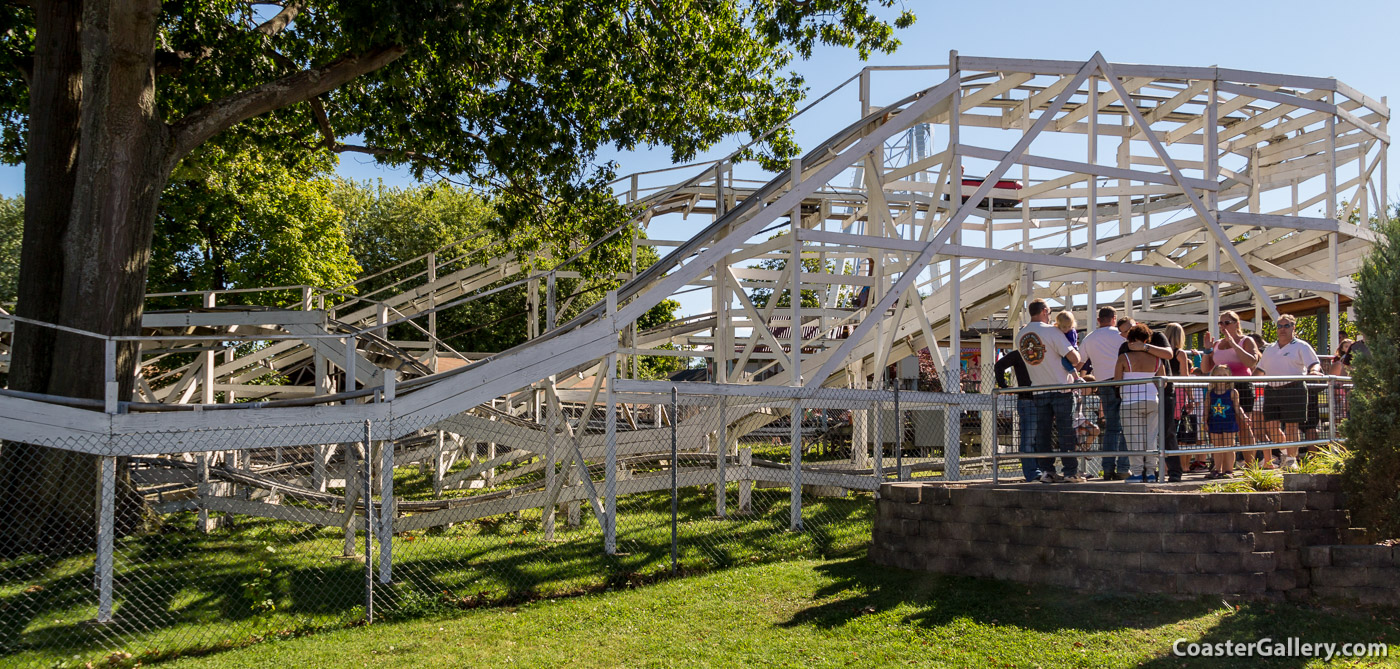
pixel 1188 430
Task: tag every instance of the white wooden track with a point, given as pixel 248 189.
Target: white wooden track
pixel 1084 183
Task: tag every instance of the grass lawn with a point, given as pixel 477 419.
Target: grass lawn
pixel 836 612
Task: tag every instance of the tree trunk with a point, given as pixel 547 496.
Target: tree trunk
pixel 97 160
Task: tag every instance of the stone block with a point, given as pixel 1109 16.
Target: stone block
pixel 1119 561
pixel 1226 502
pixel 1221 563
pixel 1270 541
pixel 1143 522
pixel 1143 542
pixel 1100 579
pixel 1263 502
pixel 1188 542
pixel 901 493
pixel 1204 522
pixel 1086 539
pixel 1143 502
pixel 937 495
pixel 886 511
pixel 1281 521
pixel 1293 501
pixel 1010 571
pixel 989 549
pixel 1369 596
pixel 965 513
pixel 1164 583
pixel 1260 561
pixel 1336 519
pixel 1288 559
pixel 1355 536
pixel 1315 537
pixel 1086 500
pixel 1324 501
pixel 1318 482
pixel 1282 579
pixel 1362 556
pixel 1250 522
pixel 1234 542
pixel 1169 563
pixel 1340 577
pixel 1246 584
pixel 982 496
pixel 954 531
pixel 1203 584
pixel 1045 499
pixel 1018 517
pixel 931 512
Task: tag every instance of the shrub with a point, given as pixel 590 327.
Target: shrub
pixel 1372 475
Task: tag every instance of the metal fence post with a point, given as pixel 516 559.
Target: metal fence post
pixel 106 527
pixel 721 456
pixel 675 498
pixel 386 509
pixel 1162 414
pixel 795 523
pixel 898 435
pixel 996 443
pixel 1333 410
pixel 367 464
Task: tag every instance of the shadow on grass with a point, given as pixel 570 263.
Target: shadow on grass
pixel 179 591
pixel 860 588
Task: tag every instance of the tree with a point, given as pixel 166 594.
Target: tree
pixel 245 220
pixel 1372 475
pixel 516 97
pixel 11 230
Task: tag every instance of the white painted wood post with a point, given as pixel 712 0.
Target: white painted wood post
pixel 610 459
pixel 795 522
pixel 795 298
pixel 432 314
pixel 207 374
pixel 349 367
pixel 106 529
pixel 952 446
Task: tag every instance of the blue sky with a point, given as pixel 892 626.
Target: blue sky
pixel 1347 40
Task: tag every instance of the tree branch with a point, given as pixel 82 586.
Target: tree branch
pixel 279 22
pixel 201 124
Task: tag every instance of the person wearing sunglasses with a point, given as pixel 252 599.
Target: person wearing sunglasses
pixel 1240 354
pixel 1286 403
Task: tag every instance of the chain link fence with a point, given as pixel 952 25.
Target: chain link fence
pixel 194 538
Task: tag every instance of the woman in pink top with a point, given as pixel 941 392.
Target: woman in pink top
pixel 1240 354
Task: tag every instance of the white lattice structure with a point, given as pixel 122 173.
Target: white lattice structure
pixel 1126 177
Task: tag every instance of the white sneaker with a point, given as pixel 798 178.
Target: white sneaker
pixel 1290 464
pixel 1051 477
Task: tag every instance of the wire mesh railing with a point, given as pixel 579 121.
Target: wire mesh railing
pixel 198 536
pixel 1156 429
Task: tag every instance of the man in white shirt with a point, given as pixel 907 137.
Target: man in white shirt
pixel 1100 351
pixel 1285 404
pixel 1042 347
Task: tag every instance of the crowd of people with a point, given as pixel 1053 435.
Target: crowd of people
pixel 1128 418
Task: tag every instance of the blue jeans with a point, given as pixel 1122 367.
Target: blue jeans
pixel 1055 410
pixel 1025 411
pixel 1113 439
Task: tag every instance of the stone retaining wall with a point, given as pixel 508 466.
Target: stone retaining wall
pixel 1288 543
